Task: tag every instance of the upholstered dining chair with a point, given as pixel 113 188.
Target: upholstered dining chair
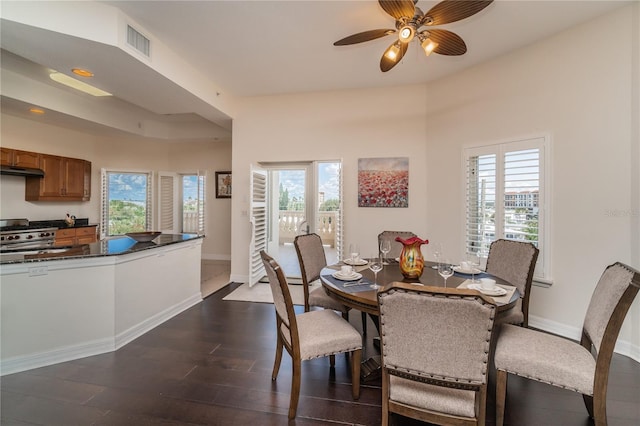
pixel 435 351
pixel 396 247
pixel 312 259
pixel 309 335
pixel 582 367
pixel 514 261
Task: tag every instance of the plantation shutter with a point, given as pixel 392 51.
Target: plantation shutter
pixel 258 219
pixel 149 202
pixel 202 179
pixel 481 206
pixel 104 203
pixel 168 203
pixel 521 194
pixel 339 217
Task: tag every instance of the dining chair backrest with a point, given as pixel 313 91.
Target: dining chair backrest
pixel 439 339
pixel 312 259
pixel 515 262
pixel 282 301
pixel 608 307
pixel 396 247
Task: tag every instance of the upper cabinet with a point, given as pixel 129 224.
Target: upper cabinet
pixel 17 158
pixel 65 179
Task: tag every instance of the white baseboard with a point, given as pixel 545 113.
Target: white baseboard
pixel 97 347
pixel 55 356
pixel 623 347
pixel 139 329
pixel 235 278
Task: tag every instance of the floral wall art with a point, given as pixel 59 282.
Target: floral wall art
pixel 383 182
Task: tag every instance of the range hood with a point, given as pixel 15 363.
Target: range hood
pixel 20 171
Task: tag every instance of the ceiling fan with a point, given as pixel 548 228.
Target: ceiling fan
pixel 409 23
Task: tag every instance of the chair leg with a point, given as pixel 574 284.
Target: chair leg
pixel 385 398
pixel 276 363
pixel 356 359
pixel 332 360
pixel 588 402
pixel 295 388
pixel 501 395
pixel 364 323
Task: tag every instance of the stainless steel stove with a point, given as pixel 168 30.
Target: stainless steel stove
pixel 19 235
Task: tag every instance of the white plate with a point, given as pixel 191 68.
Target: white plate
pixel 461 270
pixel 357 262
pixel 352 277
pixel 497 291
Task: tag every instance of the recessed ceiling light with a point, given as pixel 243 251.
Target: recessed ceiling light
pixel 36 110
pixel 77 84
pixel 81 72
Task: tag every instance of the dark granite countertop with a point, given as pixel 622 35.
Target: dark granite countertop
pixel 111 247
pixel 61 224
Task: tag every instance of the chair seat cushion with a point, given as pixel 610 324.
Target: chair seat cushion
pixel 545 358
pixel 511 316
pixel 457 402
pixel 319 297
pixel 316 342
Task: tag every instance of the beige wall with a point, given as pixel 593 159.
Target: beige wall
pixel 120 153
pixel 580 87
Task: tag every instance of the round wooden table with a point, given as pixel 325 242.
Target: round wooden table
pixel 367 301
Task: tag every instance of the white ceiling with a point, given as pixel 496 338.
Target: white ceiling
pixel 262 47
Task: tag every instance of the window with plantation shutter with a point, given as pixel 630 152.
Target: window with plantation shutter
pixel 506 196
pixel 126 202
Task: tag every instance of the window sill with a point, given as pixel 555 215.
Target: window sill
pixel 542 282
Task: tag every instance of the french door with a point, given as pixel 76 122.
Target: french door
pixel 289 199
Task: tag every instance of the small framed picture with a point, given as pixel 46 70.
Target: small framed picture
pixel 223 184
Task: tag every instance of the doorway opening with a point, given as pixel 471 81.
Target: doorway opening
pixel 301 198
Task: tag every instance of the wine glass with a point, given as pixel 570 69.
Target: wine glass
pixel 445 269
pixel 354 252
pixel 375 264
pixel 437 252
pixel 385 247
pixel 474 262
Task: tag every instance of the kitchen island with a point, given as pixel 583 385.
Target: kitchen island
pixel 93 298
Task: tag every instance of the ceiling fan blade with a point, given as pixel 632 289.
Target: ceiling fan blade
pixel 449 43
pixel 363 36
pixel 398 8
pixel 386 64
pixel 454 10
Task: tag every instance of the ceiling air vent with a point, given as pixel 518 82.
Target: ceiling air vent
pixel 138 41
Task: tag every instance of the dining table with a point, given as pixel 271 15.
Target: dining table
pixel 357 293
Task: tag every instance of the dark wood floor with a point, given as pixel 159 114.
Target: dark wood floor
pixel 212 365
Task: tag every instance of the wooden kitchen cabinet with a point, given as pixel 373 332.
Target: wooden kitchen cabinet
pixel 18 158
pixel 65 179
pixel 76 236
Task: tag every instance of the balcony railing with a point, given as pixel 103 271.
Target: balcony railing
pixel 289 223
pixel 190 222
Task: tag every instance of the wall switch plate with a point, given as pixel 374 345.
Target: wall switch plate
pixel 38 270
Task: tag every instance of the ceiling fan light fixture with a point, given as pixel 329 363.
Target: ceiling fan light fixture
pixel 428 46
pixel 393 51
pixel 406 34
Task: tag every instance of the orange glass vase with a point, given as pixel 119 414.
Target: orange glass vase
pixel 411 259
